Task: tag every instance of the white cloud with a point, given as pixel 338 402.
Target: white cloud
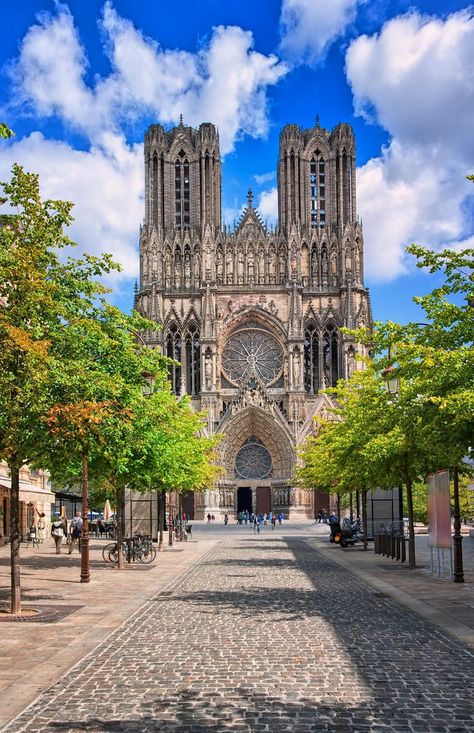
pixel 309 27
pixel 105 184
pixel 268 206
pixel 423 95
pixel 224 82
pixel 264 177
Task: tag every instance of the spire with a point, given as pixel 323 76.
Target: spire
pixel 317 121
pixel 181 120
pixel 250 198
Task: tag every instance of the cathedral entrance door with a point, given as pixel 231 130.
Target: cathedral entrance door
pixel 244 499
pixel 264 500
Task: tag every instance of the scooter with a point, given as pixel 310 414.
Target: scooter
pixel 347 535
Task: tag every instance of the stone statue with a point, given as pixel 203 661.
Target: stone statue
pixel 324 264
pixel 197 269
pixel 219 267
pixel 261 267
pixel 282 264
pixel 333 263
pixel 240 267
pixel 187 269
pixel 168 270
pixel 177 270
pixel 271 267
pixel 347 259
pixel 229 268
pixel 208 371
pixel 357 259
pixel 296 368
pixel 250 267
pixel 207 261
pixel 294 263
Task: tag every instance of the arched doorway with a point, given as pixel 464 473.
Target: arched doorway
pixel 244 499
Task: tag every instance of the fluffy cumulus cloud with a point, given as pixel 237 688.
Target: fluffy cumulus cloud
pixel 423 95
pixel 105 184
pixel 225 81
pixel 309 27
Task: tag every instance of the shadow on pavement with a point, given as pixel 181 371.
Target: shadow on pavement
pixel 245 708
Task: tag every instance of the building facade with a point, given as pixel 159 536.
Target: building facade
pixel 253 314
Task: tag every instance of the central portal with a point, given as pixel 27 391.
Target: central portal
pixel 244 499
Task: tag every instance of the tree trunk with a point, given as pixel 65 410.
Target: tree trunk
pixel 338 504
pixel 411 525
pixel 351 507
pixel 85 569
pixel 119 520
pixel 15 538
pixel 161 519
pixel 357 505
pixel 364 517
pixel 170 520
pixel 458 574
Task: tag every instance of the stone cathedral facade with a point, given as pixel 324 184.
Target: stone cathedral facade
pixel 253 314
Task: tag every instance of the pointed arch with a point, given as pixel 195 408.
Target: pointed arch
pixel 311 357
pixel 331 353
pixel 173 351
pixel 192 357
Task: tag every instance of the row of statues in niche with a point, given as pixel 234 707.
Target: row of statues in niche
pixel 257 268
pixel 251 268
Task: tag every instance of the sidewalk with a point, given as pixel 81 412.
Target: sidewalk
pixel 35 655
pixel 446 604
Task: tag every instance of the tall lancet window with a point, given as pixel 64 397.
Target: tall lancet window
pixel 173 351
pixel 317 190
pixel 311 359
pixel 331 355
pixel 193 361
pixel 182 191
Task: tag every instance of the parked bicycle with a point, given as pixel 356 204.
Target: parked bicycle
pixel 140 548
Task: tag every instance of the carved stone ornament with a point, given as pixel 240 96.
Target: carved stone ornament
pixel 249 351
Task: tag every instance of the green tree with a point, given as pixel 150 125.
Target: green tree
pixel 38 296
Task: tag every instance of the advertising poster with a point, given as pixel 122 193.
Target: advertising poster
pixel 439 510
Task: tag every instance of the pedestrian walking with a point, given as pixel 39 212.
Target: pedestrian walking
pixel 208 518
pixel 274 521
pixel 213 519
pixel 57 531
pixel 320 516
pixel 76 532
pixel 226 519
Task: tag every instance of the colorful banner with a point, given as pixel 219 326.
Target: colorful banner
pixel 439 509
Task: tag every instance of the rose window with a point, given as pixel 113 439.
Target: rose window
pixel 252 351
pixel 253 461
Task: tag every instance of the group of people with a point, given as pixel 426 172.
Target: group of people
pixel 211 518
pixel 257 520
pixel 60 530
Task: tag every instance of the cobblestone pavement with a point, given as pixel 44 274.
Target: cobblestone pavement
pixel 265 634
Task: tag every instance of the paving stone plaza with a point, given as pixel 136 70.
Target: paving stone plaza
pixel 265 633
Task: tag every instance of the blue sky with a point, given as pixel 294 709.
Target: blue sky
pixel 80 82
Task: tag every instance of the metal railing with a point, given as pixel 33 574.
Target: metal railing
pixel 390 542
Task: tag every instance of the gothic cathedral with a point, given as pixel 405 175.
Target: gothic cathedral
pixel 252 313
